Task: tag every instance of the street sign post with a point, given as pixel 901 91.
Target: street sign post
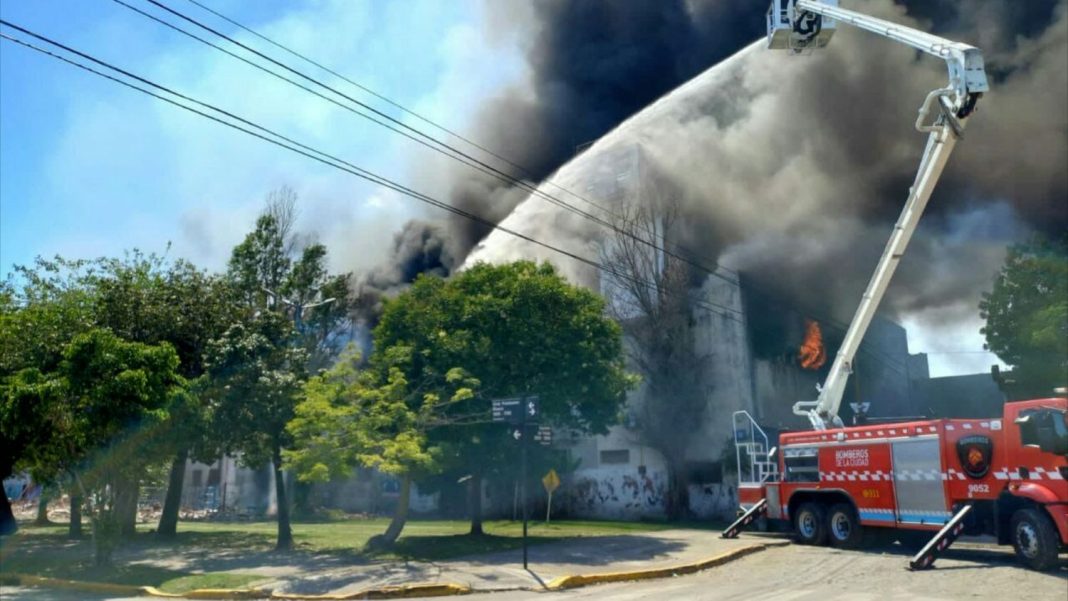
pixel 551 482
pixel 521 412
pixel 543 435
pixel 516 410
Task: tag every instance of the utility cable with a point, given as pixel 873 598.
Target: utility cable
pixel 308 151
pixel 751 286
pixel 478 164
pixel 441 147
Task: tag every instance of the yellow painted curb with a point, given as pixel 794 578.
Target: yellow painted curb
pixel 106 588
pixel 208 593
pixel 385 592
pixel 577 580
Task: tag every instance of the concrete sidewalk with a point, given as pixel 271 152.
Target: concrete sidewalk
pixel 504 570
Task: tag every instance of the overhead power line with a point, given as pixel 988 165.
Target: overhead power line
pixel 461 157
pixel 267 135
pixel 427 140
pixel 366 89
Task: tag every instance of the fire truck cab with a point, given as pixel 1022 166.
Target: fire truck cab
pixel 847 486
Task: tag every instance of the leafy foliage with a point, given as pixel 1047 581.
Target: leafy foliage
pixel 443 350
pixel 1027 313
pixel 97 416
pixel 518 328
pixel 350 417
pixel 254 375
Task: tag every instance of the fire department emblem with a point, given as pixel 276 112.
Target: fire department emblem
pixel 974 453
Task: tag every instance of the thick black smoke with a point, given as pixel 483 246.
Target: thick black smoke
pixel 592 64
pixel 419 247
pixel 837 135
pixel 794 168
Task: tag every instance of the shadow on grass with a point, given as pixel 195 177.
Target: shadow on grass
pixel 219 546
pixel 73 569
pixel 438 547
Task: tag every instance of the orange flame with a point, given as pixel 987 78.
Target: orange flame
pixel 812 355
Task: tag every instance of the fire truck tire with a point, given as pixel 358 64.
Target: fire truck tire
pixel 843 527
pixel 810 524
pixel 1034 538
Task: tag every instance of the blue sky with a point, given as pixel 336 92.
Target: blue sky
pixel 88 168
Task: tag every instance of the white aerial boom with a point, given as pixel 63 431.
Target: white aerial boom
pixel 800 25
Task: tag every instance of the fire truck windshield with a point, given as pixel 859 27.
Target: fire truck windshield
pixel 1046 429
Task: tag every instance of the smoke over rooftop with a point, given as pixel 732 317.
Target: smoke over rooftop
pixel 791 169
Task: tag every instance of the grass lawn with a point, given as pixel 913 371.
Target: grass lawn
pixel 45 551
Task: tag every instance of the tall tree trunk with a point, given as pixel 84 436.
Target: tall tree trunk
pixel 42 506
pixel 678 494
pixel 285 531
pixel 125 511
pixel 75 529
pixel 107 530
pixel 7 517
pixel 302 499
pixel 400 516
pixel 474 502
pixel 168 519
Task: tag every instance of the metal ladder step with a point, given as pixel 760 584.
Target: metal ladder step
pixel 747 518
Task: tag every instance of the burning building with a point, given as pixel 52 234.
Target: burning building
pixel 751 349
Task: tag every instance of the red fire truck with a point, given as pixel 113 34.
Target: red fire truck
pixel 926 480
pixel 1005 476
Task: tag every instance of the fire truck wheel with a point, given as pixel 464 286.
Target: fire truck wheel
pixel 810 524
pixel 1033 538
pixel 843 527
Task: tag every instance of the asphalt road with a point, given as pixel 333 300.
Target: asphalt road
pixel 798 573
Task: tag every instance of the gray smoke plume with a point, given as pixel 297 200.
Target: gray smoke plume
pixel 792 169
pixel 419 247
pixel 591 65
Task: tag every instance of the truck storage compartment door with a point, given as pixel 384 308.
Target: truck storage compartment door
pixel 775 510
pixel 918 487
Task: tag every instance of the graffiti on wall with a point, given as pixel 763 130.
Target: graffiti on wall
pixel 711 501
pixel 627 493
pixel 622 492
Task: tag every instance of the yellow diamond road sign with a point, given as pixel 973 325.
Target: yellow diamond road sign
pixel 551 481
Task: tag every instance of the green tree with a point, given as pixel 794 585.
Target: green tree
pixel 146 298
pixel 515 329
pixel 374 419
pixel 277 271
pixel 42 308
pixel 117 398
pixel 1027 315
pixel 255 372
pixel 140 298
pixel 97 417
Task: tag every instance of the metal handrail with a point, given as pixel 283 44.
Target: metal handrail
pixel 757 465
